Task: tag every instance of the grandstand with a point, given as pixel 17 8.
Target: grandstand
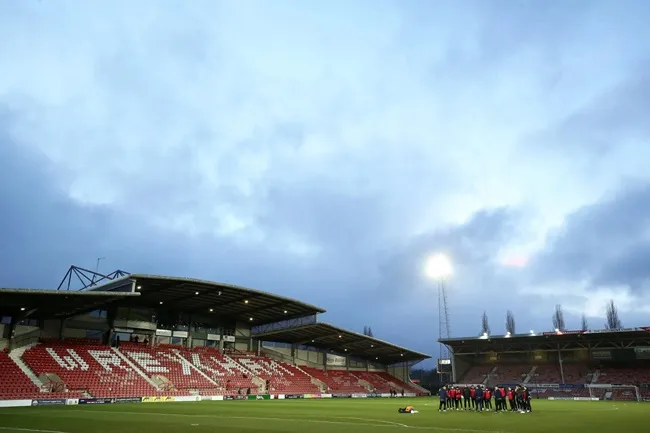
pixel 605 365
pixel 132 336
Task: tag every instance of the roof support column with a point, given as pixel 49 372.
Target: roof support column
pixel 453 364
pixel 190 330
pixel 559 358
pixel 293 353
pixel 324 352
pixel 62 328
pixel 111 315
pixel 12 332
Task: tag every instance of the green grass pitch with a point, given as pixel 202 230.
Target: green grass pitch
pixel 321 416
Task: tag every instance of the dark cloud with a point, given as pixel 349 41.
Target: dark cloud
pixel 605 243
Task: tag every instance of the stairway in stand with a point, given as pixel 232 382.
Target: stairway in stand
pixel 16 356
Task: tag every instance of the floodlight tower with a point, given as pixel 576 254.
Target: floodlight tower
pixel 439 268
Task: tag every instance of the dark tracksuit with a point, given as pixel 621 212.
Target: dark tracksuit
pixel 498 399
pixel 467 398
pixel 520 399
pixel 443 399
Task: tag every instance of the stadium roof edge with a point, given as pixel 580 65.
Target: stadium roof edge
pixel 204 299
pixel 45 303
pixel 327 336
pixel 545 334
pixel 242 289
pixel 550 340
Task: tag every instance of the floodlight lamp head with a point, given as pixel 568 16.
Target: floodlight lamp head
pixel 439 267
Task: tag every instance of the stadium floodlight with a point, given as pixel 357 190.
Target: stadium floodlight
pixel 22 308
pixel 439 267
pixel 508 334
pixel 557 330
pixel 532 332
pixel 139 287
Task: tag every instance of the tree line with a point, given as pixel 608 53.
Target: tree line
pixel 612 320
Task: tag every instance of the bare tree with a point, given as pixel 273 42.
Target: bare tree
pixel 585 325
pixel 613 322
pixel 558 318
pixel 485 326
pixel 369 334
pixel 510 322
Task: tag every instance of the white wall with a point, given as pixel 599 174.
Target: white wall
pixel 241 346
pixel 51 328
pixel 74 333
pixel 20 330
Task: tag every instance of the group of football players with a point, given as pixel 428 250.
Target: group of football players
pixel 479 398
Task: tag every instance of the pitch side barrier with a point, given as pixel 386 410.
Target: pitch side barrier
pixel 169 399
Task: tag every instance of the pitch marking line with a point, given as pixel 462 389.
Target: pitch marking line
pixel 30 429
pixel 371 423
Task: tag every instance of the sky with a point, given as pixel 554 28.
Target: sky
pixel 325 150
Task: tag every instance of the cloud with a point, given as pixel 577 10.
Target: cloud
pixel 600 250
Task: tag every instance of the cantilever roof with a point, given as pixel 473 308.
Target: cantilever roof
pixel 206 297
pixel 330 337
pixel 54 304
pixel 551 341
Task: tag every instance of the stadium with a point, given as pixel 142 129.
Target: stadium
pixel 141 352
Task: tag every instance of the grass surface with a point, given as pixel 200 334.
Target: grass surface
pixel 321 416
